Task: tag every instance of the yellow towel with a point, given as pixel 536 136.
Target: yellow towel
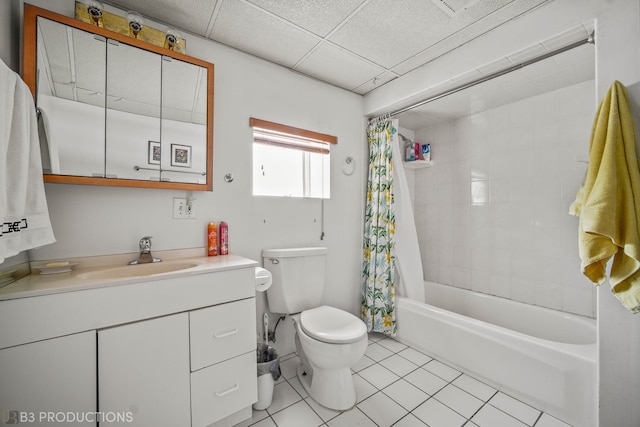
pixel 609 201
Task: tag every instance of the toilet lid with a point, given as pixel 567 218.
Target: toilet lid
pixel 332 325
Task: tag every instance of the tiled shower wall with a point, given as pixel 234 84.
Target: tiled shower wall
pixel 492 211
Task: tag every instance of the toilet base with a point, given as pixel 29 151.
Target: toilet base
pixel 332 389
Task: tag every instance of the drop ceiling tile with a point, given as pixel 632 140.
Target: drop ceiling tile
pixel 191 15
pixel 454 7
pixel 319 17
pixel 398 37
pixel 485 14
pixel 389 38
pixel 475 25
pixel 334 65
pixel 246 28
pixel 376 82
pixel 473 30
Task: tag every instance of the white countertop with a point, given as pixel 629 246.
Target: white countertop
pixel 82 276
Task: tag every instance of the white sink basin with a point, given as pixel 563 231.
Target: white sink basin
pixel 137 270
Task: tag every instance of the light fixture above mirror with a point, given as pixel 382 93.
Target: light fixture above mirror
pixel 95 10
pixel 135 23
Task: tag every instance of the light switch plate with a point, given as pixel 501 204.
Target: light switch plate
pixel 183 208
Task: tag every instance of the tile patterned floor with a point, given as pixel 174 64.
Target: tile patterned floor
pixel 399 386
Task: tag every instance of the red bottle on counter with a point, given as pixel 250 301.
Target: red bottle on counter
pixel 224 238
pixel 212 239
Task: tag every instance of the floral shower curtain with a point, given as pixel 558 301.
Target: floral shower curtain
pixel 378 270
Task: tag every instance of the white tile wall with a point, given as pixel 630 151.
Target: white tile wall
pixel 492 213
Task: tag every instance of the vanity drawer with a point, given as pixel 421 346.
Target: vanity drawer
pixel 221 332
pixel 223 389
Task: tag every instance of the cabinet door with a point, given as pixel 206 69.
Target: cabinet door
pixel 133 112
pixel 71 100
pixel 49 383
pixel 184 121
pixel 143 370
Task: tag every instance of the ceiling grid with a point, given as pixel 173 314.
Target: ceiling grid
pixel 357 45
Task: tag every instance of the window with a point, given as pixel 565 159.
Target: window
pixel 289 161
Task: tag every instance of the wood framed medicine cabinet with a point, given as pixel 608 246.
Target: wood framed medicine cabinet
pixel 117 111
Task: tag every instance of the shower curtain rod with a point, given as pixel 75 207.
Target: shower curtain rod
pixel 589 40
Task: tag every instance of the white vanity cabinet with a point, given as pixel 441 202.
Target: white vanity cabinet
pixel 50 382
pixel 143 372
pixel 171 350
pixel 223 360
pixel 186 369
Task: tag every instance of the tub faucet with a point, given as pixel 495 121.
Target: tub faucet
pixel 145 252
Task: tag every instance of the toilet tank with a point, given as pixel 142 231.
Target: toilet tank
pixel 298 278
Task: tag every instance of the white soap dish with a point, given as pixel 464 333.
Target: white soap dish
pixel 55 267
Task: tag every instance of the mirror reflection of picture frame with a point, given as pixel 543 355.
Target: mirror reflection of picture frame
pixel 181 155
pixel 154 153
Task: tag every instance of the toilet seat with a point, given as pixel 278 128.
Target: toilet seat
pixel 332 325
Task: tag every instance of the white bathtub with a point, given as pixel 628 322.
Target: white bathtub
pixel 542 357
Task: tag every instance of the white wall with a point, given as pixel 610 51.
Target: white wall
pixel 101 220
pixel 617 57
pixel 492 213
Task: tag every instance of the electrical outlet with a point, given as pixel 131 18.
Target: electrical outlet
pixel 191 208
pixel 184 208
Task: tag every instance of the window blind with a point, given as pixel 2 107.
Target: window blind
pixel 276 134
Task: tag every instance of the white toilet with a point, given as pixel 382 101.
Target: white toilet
pixel 328 340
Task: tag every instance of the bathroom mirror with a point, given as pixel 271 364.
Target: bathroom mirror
pixel 114 110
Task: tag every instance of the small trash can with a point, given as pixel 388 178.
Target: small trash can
pixel 268 371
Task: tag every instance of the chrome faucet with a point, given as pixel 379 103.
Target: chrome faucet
pixel 145 252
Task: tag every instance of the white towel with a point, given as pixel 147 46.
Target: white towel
pixel 24 217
